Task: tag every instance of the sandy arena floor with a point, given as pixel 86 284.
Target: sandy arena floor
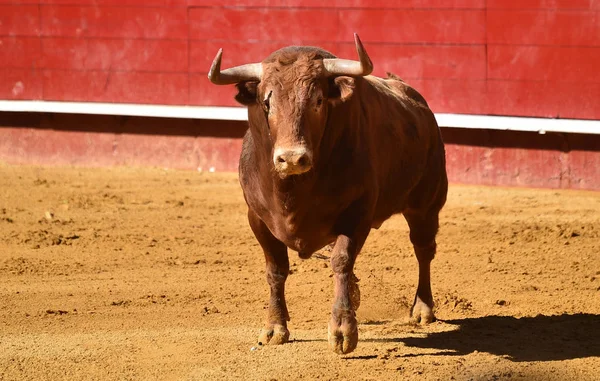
pixel 147 274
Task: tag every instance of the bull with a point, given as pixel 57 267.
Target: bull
pixel 332 152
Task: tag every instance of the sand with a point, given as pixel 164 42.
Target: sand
pixel 151 274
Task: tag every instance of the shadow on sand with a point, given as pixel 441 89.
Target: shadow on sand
pixel 540 338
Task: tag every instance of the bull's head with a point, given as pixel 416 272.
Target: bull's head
pixel 293 91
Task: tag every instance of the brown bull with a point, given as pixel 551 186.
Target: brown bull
pixel 332 152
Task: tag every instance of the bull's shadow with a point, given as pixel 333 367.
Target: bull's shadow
pixel 540 338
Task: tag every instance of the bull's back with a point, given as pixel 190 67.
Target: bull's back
pixel 410 149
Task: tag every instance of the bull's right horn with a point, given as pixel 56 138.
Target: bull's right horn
pixel 247 72
pixel 337 66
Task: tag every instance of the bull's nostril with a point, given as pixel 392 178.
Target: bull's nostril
pixel 280 159
pixel 302 161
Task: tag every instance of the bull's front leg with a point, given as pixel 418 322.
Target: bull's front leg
pixel 343 329
pixel 276 256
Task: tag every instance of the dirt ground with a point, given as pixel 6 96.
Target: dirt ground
pixel 149 274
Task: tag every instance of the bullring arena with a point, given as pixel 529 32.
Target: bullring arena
pixel 155 274
pixel 125 248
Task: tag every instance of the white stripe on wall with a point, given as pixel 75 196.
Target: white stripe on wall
pixel 540 125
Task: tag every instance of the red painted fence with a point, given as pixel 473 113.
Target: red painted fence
pixel 476 156
pixel 508 57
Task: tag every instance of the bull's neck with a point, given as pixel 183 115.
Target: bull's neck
pixel 293 197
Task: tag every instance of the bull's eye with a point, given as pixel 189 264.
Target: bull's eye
pixel 267 102
pixel 319 101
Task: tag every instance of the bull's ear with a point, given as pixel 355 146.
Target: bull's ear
pixel 246 92
pixel 340 89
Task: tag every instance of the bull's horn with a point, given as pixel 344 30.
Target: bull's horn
pixel 336 66
pixel 247 72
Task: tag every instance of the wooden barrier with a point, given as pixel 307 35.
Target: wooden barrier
pixel 500 57
pixel 531 58
pixel 474 156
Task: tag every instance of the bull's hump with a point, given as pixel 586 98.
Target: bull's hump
pixel 292 53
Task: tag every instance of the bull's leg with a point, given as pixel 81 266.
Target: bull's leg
pixel 276 256
pixel 343 329
pixel 423 230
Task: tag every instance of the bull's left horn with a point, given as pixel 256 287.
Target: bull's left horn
pixel 247 72
pixel 337 66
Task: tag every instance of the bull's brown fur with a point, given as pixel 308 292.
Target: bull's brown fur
pixel 376 151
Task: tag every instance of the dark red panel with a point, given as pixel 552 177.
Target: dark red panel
pixel 520 27
pixel 196 153
pixel 135 22
pixel 113 54
pixel 294 25
pixel 544 167
pixel 584 165
pixel 544 99
pixel 414 26
pixel 464 162
pixel 218 153
pixel 52 147
pixel 20 84
pixel 406 4
pixel 19 52
pixel 120 87
pixel 423 61
pixel 480 156
pixel 542 4
pixel 512 158
pixel 544 63
pixel 202 53
pixel 450 95
pixel 135 150
pixel 19 20
pixel 497 166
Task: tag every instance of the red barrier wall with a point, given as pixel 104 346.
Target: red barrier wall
pixel 473 156
pixel 509 57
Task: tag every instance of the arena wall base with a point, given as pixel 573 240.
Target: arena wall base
pixel 474 156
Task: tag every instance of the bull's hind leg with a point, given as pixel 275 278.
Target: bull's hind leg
pixel 276 256
pixel 423 229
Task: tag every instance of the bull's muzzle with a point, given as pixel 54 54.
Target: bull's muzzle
pixel 293 161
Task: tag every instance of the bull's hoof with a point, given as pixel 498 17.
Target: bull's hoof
pixel 274 335
pixel 343 338
pixel 421 313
